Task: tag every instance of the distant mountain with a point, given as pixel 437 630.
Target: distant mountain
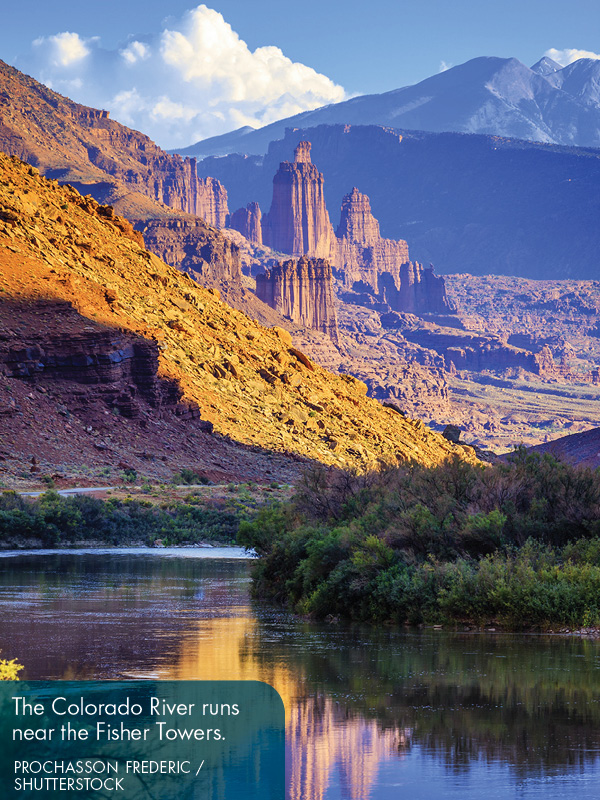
pixel 546 66
pixel 467 203
pixel 497 96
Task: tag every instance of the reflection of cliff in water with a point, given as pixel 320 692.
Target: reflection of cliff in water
pixel 356 698
pixel 529 702
pixel 321 735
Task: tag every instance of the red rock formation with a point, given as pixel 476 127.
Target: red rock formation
pixel 248 222
pixel 120 370
pixel 85 147
pixel 357 223
pixel 415 290
pixel 362 254
pixel 303 291
pixel 195 248
pixel 298 222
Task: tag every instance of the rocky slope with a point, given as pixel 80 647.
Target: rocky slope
pixel 466 203
pixel 303 291
pixel 191 246
pixel 110 357
pixel 578 448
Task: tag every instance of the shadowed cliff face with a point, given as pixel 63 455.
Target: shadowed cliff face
pixel 303 291
pixel 248 221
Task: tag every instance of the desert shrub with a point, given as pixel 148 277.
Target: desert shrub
pixel 52 519
pixel 188 477
pixel 9 670
pixel 516 542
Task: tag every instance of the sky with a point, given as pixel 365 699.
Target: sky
pixel 181 72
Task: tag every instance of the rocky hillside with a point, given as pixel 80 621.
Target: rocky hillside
pixel 110 358
pixel 124 168
pixel 83 146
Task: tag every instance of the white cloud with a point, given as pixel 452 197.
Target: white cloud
pixel 63 50
pixel 445 66
pixel 134 52
pixel 195 79
pixel 569 55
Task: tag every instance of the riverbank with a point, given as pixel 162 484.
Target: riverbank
pixel 150 515
pixel 514 545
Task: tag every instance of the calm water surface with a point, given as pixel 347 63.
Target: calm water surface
pixel 372 713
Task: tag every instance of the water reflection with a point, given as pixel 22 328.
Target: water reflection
pixel 370 713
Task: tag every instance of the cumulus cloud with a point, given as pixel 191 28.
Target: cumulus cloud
pixel 194 79
pixel 569 55
pixel 63 50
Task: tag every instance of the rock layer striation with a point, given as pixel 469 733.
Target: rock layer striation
pixel 303 291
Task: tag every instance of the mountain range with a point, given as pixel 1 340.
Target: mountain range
pixel 488 95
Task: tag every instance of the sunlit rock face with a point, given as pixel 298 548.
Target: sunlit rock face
pixel 303 291
pixel 298 222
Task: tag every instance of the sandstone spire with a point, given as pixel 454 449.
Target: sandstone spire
pixel 248 222
pixel 298 222
pixel 357 223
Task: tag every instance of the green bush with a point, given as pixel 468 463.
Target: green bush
pixel 516 543
pixel 52 519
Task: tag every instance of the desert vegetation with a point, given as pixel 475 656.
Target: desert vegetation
pixel 515 543
pixel 51 520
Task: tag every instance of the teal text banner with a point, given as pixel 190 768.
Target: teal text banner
pixel 141 740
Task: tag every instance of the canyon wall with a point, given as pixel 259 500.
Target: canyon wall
pixel 83 146
pixel 303 291
pixel 193 247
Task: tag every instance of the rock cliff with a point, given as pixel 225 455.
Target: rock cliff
pixel 415 290
pixel 193 247
pixel 298 222
pixel 248 221
pixel 83 146
pixel 362 254
pixel 303 291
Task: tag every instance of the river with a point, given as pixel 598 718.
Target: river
pixel 373 713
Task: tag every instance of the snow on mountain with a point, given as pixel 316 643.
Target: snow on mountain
pixel 497 96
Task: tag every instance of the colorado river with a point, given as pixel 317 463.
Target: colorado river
pixel 372 713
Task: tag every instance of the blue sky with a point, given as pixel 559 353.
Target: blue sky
pixel 361 47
